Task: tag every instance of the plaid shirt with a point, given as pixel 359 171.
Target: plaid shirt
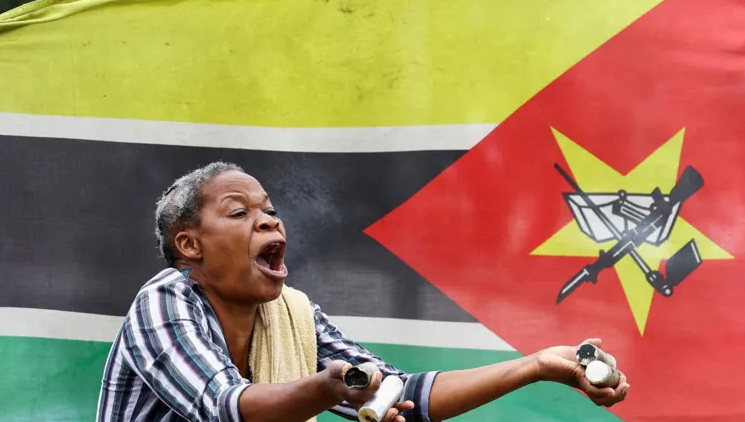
pixel 170 361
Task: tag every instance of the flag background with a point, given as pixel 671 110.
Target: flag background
pixel 343 110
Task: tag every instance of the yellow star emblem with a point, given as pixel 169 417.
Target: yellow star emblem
pixel 659 169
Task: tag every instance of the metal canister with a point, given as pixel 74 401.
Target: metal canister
pixel 588 352
pixel 386 397
pixel 360 376
pixel 601 374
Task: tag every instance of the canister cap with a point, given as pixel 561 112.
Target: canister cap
pixel 597 372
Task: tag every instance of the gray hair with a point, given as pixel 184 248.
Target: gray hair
pixel 179 205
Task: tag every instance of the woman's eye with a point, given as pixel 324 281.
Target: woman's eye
pixel 239 213
pixel 271 212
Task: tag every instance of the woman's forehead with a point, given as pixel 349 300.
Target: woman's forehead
pixel 230 183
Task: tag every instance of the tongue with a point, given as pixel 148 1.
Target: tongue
pixel 262 262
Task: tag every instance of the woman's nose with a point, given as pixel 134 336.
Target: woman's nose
pixel 266 223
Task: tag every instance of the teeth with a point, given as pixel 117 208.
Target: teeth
pixel 271 251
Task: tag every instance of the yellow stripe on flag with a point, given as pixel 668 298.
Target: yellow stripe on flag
pixel 299 63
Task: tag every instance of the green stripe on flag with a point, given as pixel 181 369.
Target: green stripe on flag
pixel 50 379
pixel 72 372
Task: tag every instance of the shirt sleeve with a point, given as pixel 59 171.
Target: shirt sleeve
pixel 333 345
pixel 168 344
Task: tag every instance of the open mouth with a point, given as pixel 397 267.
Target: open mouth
pixel 271 260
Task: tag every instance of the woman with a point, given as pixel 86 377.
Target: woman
pixel 217 336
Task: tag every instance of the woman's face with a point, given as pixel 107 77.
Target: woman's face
pixel 240 241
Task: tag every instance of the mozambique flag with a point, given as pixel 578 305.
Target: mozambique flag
pixel 555 226
pixel 444 169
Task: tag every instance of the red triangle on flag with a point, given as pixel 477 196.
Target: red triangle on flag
pixel 670 88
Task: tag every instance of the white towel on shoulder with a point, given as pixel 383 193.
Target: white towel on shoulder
pixel 284 344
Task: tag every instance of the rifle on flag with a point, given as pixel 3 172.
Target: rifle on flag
pixel 658 217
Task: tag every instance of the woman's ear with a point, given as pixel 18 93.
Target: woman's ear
pixel 188 245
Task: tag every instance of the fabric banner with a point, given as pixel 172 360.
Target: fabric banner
pixel 463 182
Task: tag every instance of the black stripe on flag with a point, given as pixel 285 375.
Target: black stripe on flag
pixel 76 223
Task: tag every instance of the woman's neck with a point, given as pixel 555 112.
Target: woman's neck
pixel 237 321
pixel 237 325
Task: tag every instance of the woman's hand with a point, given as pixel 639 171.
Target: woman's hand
pixel 393 414
pixel 358 397
pixel 559 364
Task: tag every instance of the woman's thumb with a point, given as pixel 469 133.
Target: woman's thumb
pixel 338 368
pixel 595 342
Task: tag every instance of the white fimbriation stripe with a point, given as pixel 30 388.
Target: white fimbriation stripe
pixel 464 335
pixel 46 323
pixel 357 139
